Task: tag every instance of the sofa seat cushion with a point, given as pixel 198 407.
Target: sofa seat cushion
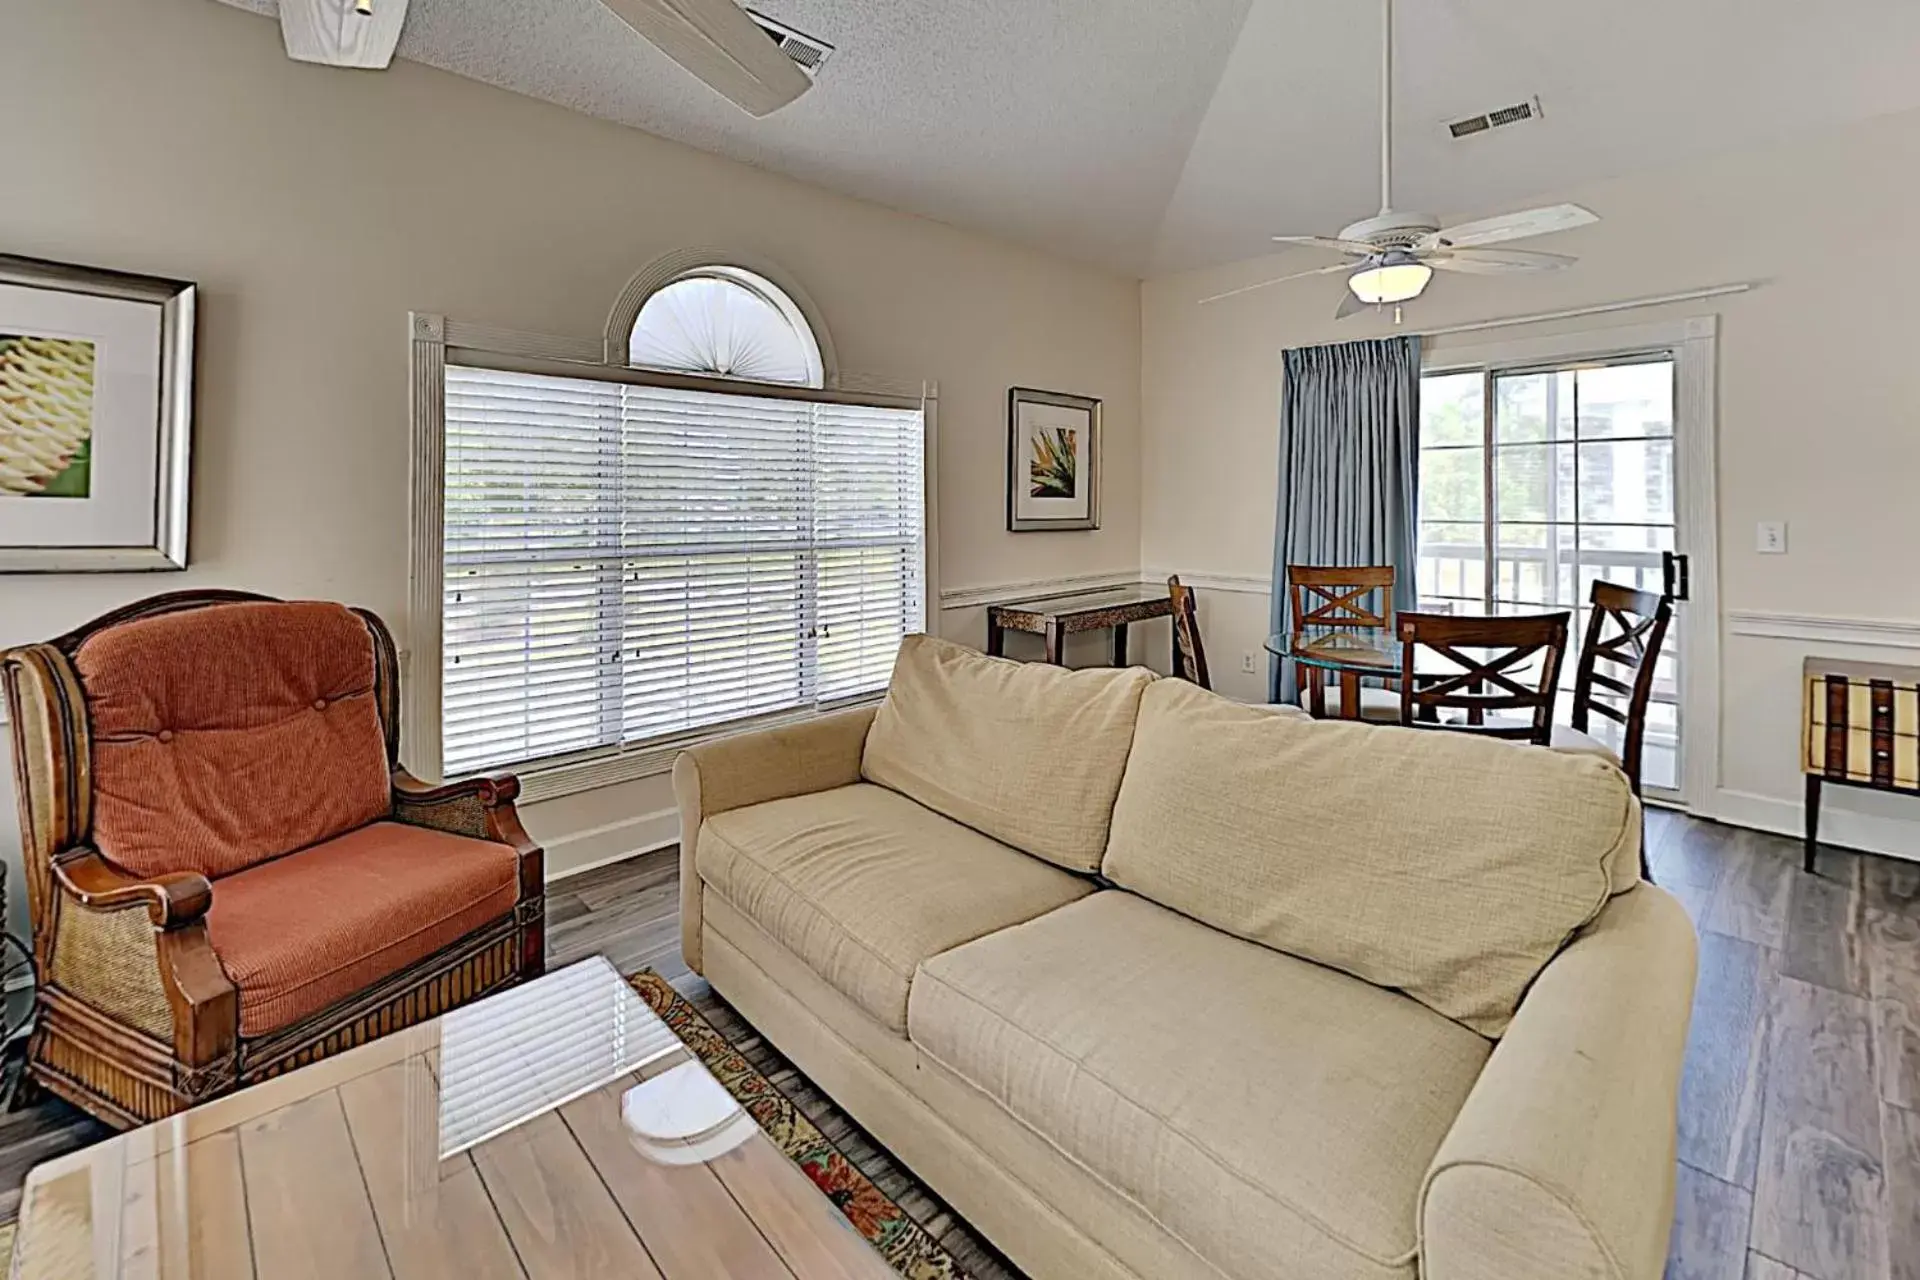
pixel 863 884
pixel 301 932
pixel 231 734
pixel 1263 1109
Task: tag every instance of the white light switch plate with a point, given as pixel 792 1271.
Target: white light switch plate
pixel 1770 538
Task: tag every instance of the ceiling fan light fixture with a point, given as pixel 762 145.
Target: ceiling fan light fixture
pixel 1395 278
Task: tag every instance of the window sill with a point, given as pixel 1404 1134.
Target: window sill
pixel 571 777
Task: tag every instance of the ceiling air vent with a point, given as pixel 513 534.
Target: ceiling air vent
pixel 808 53
pixel 1519 113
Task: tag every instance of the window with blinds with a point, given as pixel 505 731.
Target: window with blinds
pixel 627 565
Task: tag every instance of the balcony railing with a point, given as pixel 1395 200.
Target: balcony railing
pixel 1444 564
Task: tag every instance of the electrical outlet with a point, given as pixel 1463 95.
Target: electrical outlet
pixel 1770 538
pixel 1246 664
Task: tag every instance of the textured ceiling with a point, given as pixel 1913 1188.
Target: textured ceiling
pixel 1152 135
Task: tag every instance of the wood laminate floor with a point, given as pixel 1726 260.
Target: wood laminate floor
pixel 1799 1110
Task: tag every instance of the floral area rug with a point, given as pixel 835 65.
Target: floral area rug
pixel 903 1242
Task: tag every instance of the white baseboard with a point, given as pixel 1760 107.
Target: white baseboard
pixel 1840 827
pixel 581 851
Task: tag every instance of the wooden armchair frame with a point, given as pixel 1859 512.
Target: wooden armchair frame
pixel 134 1017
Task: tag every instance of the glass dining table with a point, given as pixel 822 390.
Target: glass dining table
pixel 1349 654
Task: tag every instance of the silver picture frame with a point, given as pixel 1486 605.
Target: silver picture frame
pixel 1024 501
pixel 176 303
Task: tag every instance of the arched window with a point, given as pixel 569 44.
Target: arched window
pixel 726 322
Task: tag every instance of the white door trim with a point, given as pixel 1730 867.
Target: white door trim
pixel 1694 342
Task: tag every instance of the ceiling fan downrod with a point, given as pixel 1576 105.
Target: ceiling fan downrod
pixel 1386 109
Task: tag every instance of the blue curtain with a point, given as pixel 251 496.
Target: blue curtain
pixel 1349 468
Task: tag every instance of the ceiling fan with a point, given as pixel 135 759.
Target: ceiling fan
pixel 714 39
pixel 1393 255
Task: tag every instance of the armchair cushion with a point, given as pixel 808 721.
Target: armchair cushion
pixel 229 735
pixel 300 932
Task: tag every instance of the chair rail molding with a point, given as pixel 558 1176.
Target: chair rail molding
pixel 1247 584
pixel 1874 633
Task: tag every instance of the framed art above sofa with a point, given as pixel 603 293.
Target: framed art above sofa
pixel 96 418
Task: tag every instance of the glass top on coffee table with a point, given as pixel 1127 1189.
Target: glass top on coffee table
pixel 514 1136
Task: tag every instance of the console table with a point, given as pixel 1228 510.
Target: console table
pixel 1056 617
pixel 1860 727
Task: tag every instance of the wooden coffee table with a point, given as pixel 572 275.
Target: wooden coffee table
pixel 486 1143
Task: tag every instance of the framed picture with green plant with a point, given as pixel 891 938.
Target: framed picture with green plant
pixel 1053 461
pixel 96 418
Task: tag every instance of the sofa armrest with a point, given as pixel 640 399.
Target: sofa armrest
pixel 753 768
pixel 173 901
pixel 1561 1163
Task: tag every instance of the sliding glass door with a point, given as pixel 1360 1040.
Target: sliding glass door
pixel 1534 483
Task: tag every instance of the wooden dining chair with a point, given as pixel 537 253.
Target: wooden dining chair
pixel 1189 655
pixel 1495 677
pixel 1625 630
pixel 1327 596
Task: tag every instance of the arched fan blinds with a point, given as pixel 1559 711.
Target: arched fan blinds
pixel 726 323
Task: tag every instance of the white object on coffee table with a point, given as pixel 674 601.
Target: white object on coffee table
pixel 684 1116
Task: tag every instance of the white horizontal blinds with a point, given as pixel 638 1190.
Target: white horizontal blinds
pixel 869 529
pixel 630 563
pixel 532 546
pixel 717 533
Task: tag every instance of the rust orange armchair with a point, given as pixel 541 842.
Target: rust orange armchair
pixel 228 872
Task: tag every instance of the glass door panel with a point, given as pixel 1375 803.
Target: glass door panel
pixel 1583 485
pixel 1452 573
pixel 1535 484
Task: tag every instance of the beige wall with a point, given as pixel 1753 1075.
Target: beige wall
pixel 1819 415
pixel 317 207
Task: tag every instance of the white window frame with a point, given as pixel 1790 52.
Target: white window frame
pixel 437 341
pixel 1694 342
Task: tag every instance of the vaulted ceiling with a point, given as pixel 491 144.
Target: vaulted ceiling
pixel 1154 135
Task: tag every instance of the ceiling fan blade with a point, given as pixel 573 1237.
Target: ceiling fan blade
pixel 1495 262
pixel 1330 242
pixel 335 33
pixel 1349 306
pixel 1268 284
pixel 719 43
pixel 1510 226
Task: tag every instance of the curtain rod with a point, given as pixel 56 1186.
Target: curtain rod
pixel 1573 313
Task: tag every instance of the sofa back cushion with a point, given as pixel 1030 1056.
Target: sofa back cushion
pixel 1028 753
pixel 1451 868
pixel 231 734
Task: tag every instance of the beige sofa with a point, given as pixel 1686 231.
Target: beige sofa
pixel 1149 984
